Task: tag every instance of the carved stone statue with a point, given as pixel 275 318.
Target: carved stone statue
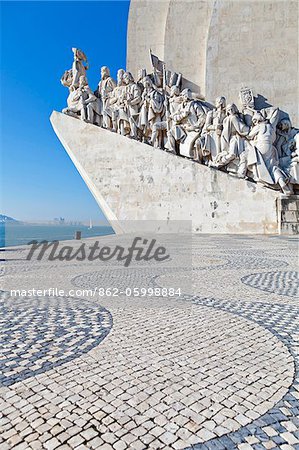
pixel 115 100
pixel 152 110
pixel 263 160
pixel 292 167
pixel 129 106
pixel 287 145
pixel 67 78
pixel 162 127
pixel 284 134
pixel 140 78
pixel 208 146
pixel 104 93
pixel 290 162
pixel 71 77
pixel 259 145
pixel 189 117
pixel 78 68
pixel 82 102
pixel 157 115
pixel 232 143
pixel 73 108
pixel 144 121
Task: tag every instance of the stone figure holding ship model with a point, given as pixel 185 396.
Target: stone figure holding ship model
pixel 257 144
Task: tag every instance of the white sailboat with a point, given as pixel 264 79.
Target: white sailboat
pixel 90 224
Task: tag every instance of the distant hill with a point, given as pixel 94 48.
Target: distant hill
pixel 6 219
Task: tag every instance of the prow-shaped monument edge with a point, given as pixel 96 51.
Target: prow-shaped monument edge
pixel 132 181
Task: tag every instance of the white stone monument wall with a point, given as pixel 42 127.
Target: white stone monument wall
pixel 132 181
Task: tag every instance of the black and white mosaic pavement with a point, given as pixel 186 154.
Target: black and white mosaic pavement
pixel 280 282
pixel 279 427
pixel 38 334
pixel 213 368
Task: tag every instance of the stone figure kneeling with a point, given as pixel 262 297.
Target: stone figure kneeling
pixel 189 117
pixel 263 159
pixel 232 143
pixel 82 102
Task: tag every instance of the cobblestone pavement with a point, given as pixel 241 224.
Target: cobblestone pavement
pixel 213 368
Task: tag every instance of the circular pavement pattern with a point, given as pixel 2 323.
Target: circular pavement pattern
pixel 208 373
pixel 38 334
pixel 281 283
pixel 204 363
pixel 279 425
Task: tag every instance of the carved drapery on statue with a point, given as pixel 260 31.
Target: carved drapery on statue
pixel 259 145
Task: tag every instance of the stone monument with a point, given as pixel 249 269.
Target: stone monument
pixel 214 156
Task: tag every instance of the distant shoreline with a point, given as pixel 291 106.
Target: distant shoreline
pixel 14 234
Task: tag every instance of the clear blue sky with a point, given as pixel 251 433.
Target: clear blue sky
pixel 38 180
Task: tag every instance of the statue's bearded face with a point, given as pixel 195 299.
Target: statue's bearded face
pixel 174 90
pixel 187 95
pixel 126 79
pixel 257 118
pixel 147 82
pixel 220 102
pixel 231 110
pixel 120 75
pixel 105 72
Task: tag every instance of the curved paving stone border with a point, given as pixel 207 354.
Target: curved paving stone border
pixel 255 429
pixel 290 256
pixel 117 278
pixel 38 334
pixel 284 319
pixel 238 262
pixel 202 362
pixel 280 425
pixel 22 265
pixel 281 283
pixel 141 277
pixel 247 262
